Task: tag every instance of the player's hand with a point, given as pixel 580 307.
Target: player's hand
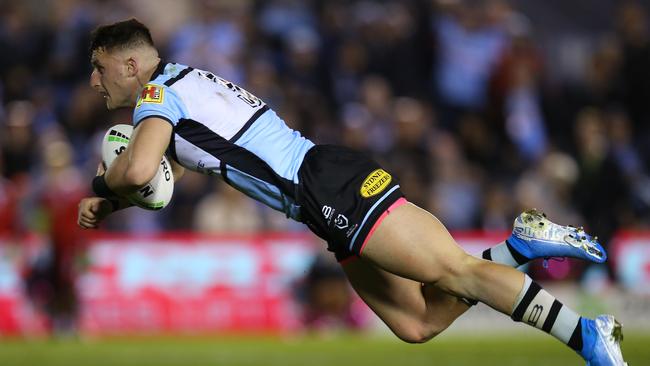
pixel 92 211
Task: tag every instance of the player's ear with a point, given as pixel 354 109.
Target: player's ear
pixel 131 67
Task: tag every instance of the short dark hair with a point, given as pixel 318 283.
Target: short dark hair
pixel 124 34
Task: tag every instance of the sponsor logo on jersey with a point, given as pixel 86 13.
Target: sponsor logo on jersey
pixel 374 183
pixel 151 94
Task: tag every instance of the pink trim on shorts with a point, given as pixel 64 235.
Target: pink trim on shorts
pixel 401 201
pixel 381 218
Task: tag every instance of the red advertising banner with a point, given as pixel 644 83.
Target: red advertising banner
pixel 630 252
pixel 193 283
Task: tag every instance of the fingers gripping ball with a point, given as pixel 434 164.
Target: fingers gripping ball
pixel 158 192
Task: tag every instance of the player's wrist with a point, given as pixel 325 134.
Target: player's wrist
pixel 116 204
pixel 113 204
pixel 101 189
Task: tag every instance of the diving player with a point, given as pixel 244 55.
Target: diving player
pixel 399 258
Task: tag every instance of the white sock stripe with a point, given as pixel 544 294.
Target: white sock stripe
pixel 524 289
pixel 566 322
pixel 501 254
pixel 538 309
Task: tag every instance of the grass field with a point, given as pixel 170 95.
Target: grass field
pixel 346 350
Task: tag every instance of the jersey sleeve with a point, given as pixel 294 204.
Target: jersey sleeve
pixel 158 101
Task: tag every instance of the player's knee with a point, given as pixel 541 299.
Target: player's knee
pixel 454 272
pixel 448 268
pixel 417 332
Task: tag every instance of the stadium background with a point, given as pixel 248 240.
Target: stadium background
pixel 482 108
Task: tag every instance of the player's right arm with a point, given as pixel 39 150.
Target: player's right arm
pixel 157 111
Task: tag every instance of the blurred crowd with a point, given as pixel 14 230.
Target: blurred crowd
pixel 482 108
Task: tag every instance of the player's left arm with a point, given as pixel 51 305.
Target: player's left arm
pixel 138 164
pixel 177 170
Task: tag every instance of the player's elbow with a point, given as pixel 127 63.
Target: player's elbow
pixel 138 175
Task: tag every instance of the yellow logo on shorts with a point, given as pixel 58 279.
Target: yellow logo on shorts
pixel 376 182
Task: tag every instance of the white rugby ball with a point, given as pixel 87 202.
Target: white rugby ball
pixel 158 192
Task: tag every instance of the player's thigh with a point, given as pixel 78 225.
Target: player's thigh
pixel 412 243
pixel 400 302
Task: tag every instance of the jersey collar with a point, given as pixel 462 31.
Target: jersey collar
pixel 159 69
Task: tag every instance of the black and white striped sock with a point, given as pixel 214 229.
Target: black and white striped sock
pixel 505 253
pixel 538 308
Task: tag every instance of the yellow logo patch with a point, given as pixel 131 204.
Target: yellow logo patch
pixel 151 94
pixel 375 182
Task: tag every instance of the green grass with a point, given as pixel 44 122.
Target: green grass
pixel 346 350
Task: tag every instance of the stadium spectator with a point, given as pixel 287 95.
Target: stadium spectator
pixel 226 210
pixel 456 185
pixel 327 299
pixel 8 206
pixel 469 43
pixel 598 174
pixel 214 39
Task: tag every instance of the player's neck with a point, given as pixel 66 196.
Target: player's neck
pixel 148 72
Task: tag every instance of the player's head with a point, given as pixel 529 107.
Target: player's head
pixel 123 56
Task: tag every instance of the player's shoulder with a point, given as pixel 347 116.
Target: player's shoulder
pixel 159 97
pixel 167 74
pixel 159 88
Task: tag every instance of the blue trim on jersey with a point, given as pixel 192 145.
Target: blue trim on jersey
pixel 276 144
pixel 354 238
pixel 262 191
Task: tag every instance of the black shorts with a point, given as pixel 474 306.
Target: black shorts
pixel 342 194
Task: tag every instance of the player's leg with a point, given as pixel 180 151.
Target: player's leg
pixel 411 243
pixel 413 311
pixel 417 312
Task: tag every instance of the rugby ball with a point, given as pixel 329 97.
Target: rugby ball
pixel 158 192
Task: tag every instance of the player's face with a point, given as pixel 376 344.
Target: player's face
pixel 110 77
